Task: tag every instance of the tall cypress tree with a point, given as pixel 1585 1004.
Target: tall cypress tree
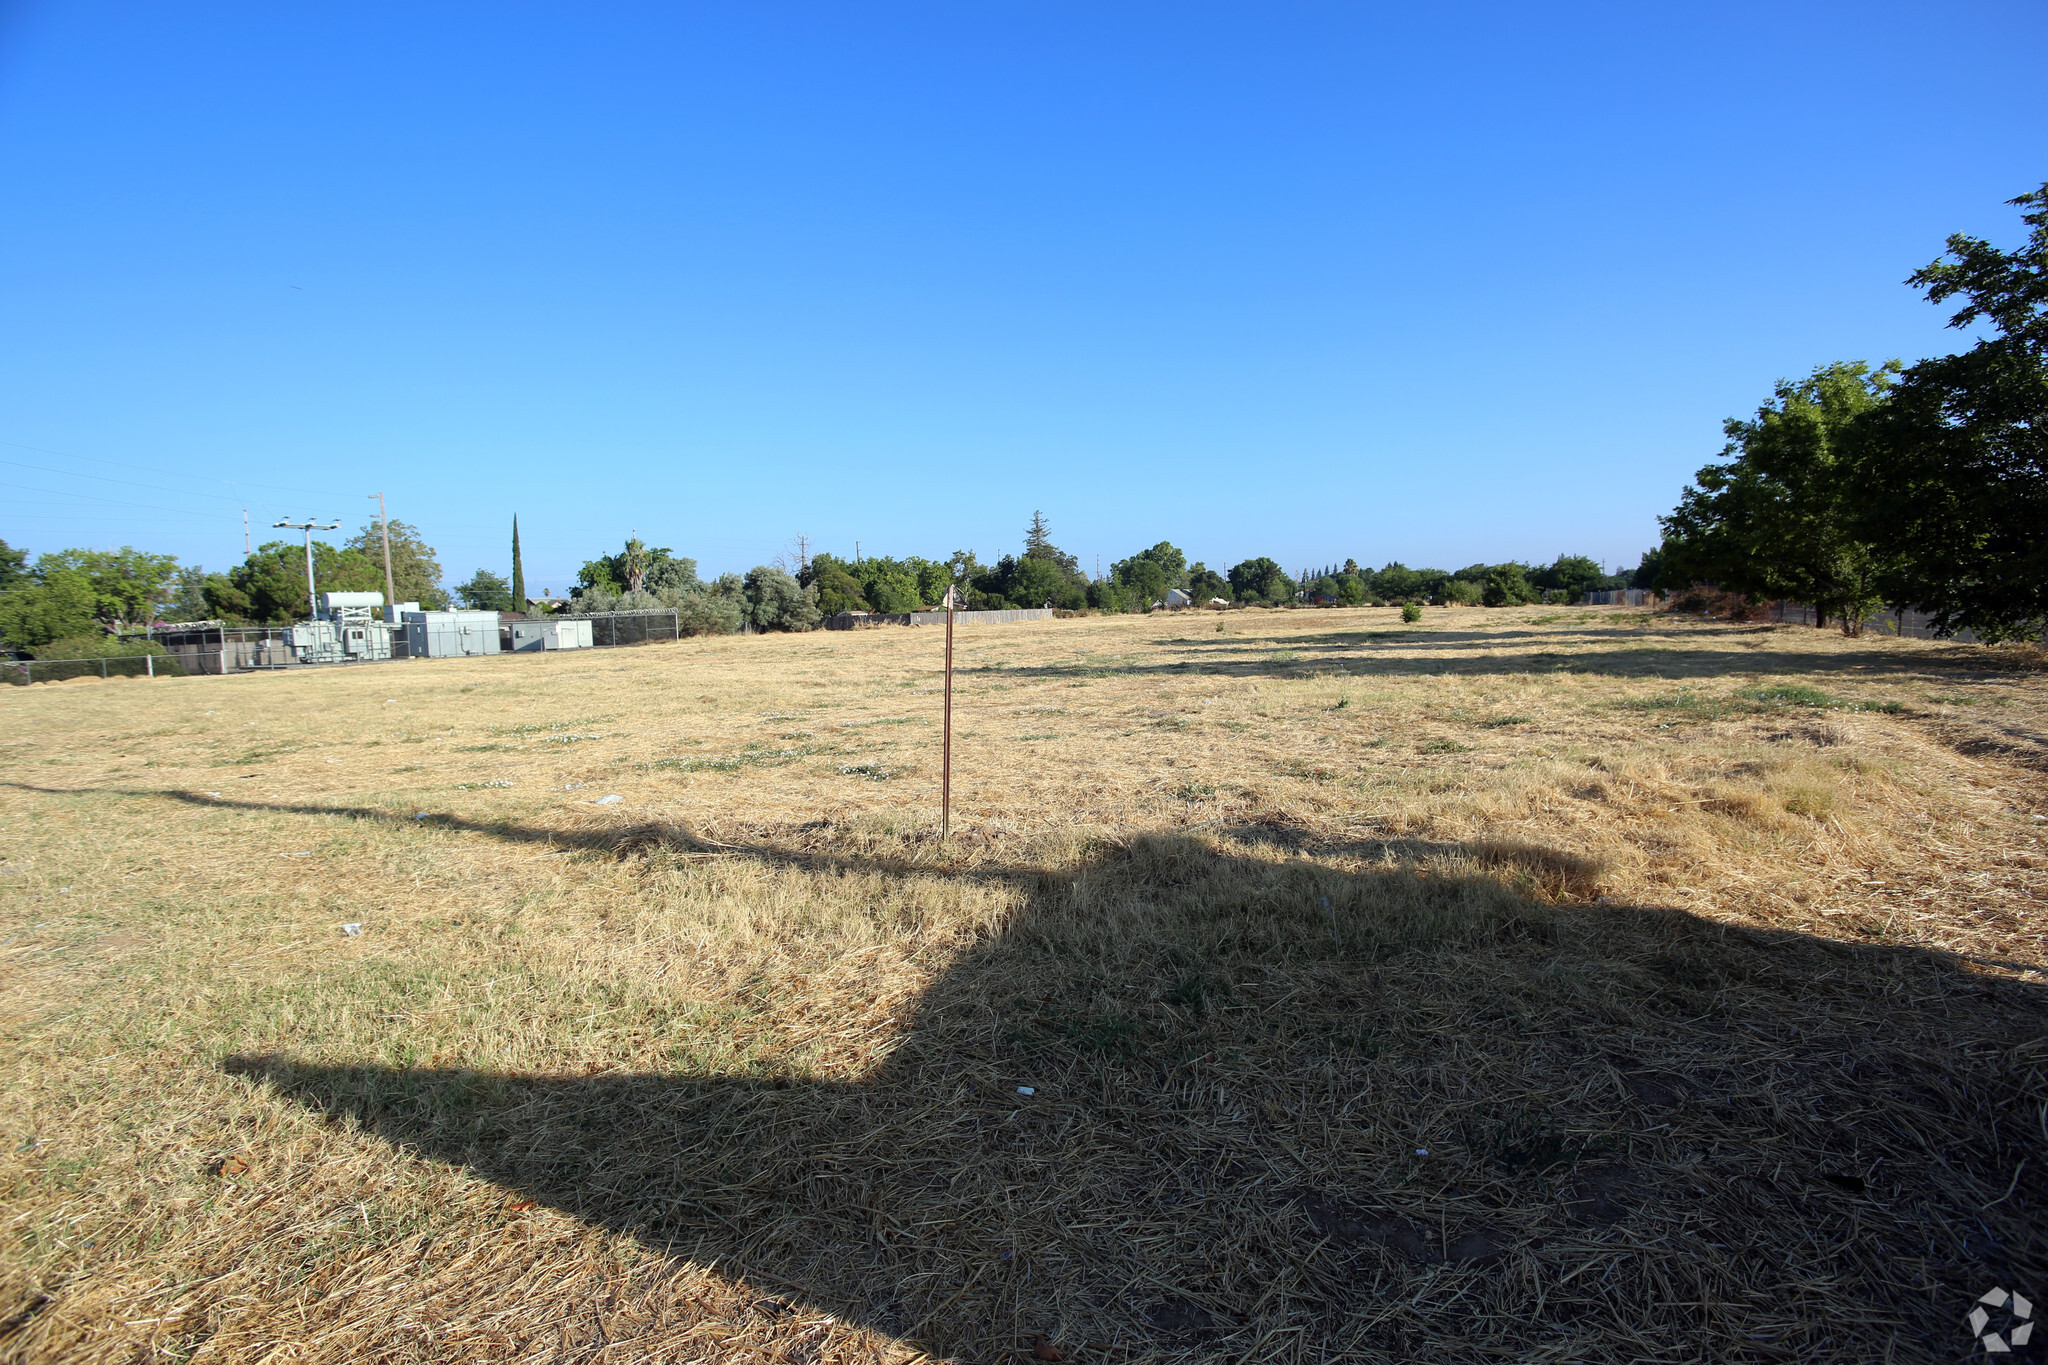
pixel 518 570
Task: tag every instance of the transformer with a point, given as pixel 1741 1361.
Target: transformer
pixel 345 632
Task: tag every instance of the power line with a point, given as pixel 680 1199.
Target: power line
pixel 61 493
pixel 123 464
pixel 106 478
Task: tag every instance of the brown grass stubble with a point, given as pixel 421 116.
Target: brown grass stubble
pixel 730 1067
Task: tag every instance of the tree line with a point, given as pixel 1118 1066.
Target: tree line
pixel 72 603
pixel 1863 486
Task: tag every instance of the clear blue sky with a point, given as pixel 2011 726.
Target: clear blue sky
pixel 1439 283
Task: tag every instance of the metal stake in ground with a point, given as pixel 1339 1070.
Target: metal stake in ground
pixel 946 739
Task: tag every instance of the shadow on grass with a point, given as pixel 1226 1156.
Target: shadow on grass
pixel 1642 1127
pixel 1487 653
pixel 1647 1135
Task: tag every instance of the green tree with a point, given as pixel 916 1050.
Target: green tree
pixel 838 590
pixel 1173 565
pixel 1781 518
pixel 1144 580
pixel 1205 583
pixel 485 591
pixel 1570 576
pixel 776 601
pixel 126 583
pixel 1506 586
pixel 13 567
pixel 1399 583
pixel 56 601
pixel 269 587
pixel 518 570
pixel 1351 589
pixel 1038 545
pixel 1952 477
pixel 635 568
pixel 415 568
pixel 1260 580
pixel 186 598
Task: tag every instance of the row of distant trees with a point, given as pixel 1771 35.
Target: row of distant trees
pixel 1042 574
pixel 67 603
pixel 1864 486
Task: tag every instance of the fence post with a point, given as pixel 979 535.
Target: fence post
pixel 149 663
pixel 103 668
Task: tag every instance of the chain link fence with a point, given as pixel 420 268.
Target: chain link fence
pixel 22 672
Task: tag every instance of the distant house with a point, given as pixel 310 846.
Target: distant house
pixel 1176 599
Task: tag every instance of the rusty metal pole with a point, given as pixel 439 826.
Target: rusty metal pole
pixel 946 741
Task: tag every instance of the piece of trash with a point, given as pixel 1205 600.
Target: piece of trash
pixel 352 930
pixel 1026 1090
pixel 214 795
pixel 522 1206
pixel 607 800
pixel 230 1167
pixel 1422 1151
pixel 387 701
pixel 1042 1349
pixel 422 816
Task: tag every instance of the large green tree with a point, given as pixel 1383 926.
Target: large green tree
pixel 269 587
pixel 774 600
pixel 1204 583
pixel 55 601
pixel 1953 485
pixel 1260 580
pixel 485 591
pixel 518 571
pixel 1781 516
pixel 75 592
pixel 13 566
pixel 415 569
pixel 1571 577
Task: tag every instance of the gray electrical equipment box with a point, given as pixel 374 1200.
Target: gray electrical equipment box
pixel 567 634
pixel 532 635
pixel 451 634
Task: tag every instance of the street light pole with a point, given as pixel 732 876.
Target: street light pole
pixel 309 526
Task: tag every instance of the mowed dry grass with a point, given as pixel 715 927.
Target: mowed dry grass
pixel 1568 985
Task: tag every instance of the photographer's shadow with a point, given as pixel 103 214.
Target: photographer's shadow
pixel 1178 1102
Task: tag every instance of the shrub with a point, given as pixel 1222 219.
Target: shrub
pixel 774 601
pixel 1411 613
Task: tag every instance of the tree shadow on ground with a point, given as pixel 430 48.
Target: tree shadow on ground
pixel 1492 653
pixel 1227 1097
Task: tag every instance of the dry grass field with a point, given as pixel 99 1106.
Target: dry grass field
pixel 1519 986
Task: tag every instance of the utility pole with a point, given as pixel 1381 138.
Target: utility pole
pixel 803 553
pixel 309 526
pixel 245 533
pixel 856 552
pixel 390 592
